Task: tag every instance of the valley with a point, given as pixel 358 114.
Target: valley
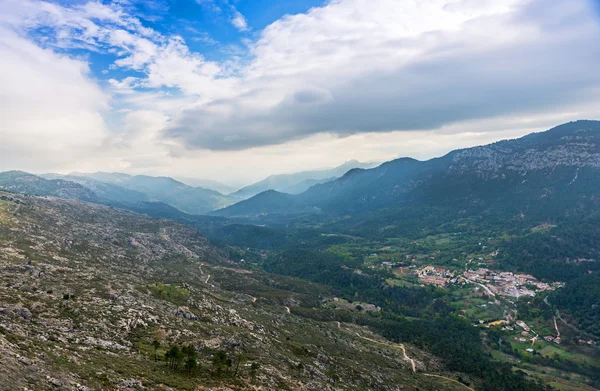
pixel 508 308
pixel 304 195
pixel 477 270
pixel 87 289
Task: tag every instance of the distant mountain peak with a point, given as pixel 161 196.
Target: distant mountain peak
pixel 298 182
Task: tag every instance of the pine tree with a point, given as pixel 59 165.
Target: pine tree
pixel 156 346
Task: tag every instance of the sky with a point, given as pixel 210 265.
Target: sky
pixel 238 90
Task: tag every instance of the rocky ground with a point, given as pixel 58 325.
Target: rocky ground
pixel 86 289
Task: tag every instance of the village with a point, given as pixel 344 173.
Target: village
pixel 506 284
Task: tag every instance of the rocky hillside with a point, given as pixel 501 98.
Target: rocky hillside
pixel 25 183
pixel 576 144
pixel 93 297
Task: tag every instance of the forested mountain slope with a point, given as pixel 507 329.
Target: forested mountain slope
pixel 553 173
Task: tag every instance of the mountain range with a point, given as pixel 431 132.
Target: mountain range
pixel 188 199
pixel 557 171
pixel 299 182
pixel 209 184
pixel 141 192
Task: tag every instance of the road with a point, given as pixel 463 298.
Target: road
pixel 485 288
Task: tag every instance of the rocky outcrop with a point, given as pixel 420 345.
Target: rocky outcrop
pixel 579 148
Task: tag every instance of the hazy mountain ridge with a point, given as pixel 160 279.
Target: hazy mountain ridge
pixel 103 189
pixel 192 200
pixel 208 184
pixel 563 161
pixel 264 203
pixel 25 183
pixel 298 182
pixel 306 184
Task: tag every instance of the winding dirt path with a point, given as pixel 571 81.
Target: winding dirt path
pixel 556 327
pixel 412 362
pixel 287 310
pixel 401 346
pixel 449 379
pixel 207 278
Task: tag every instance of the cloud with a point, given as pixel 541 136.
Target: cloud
pixel 386 66
pixel 56 114
pixel 210 4
pixel 366 79
pixel 238 20
pixel 219 7
pixel 50 109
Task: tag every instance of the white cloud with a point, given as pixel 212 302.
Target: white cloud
pixel 49 108
pixel 362 65
pixel 366 79
pixel 239 21
pixel 236 18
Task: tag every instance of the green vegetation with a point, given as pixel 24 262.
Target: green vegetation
pixel 172 293
pixel 581 299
